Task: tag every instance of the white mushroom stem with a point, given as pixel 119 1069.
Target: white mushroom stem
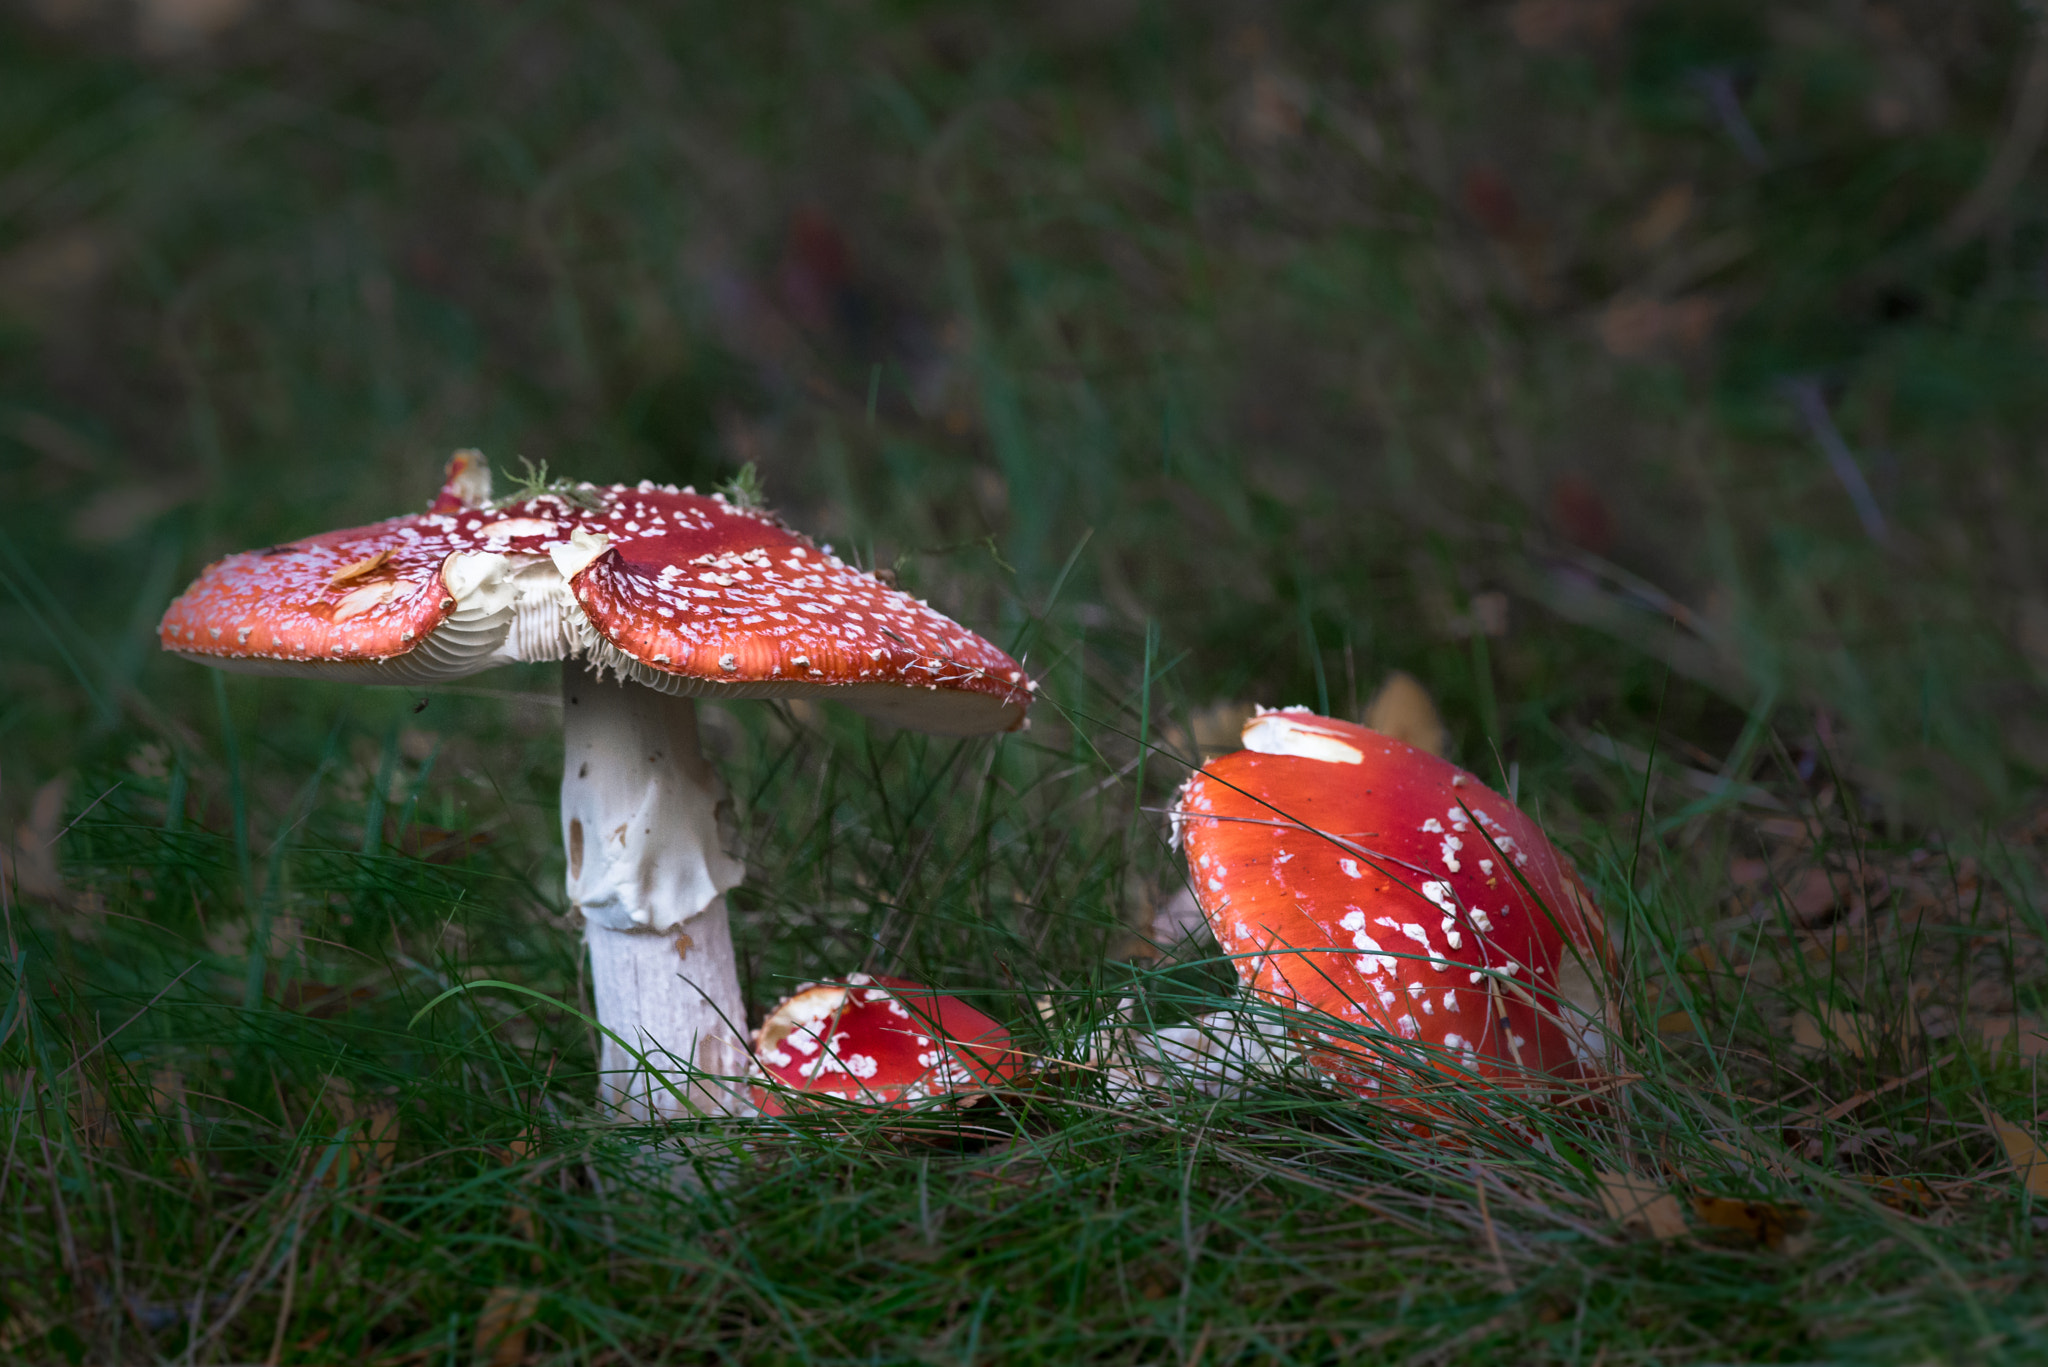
pixel 1217 1054
pixel 648 869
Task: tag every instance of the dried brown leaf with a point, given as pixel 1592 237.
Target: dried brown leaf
pixel 1668 213
pixel 1856 1031
pixel 1641 1206
pixel 1403 709
pixel 372 1144
pixel 501 1326
pixel 1900 1193
pixel 1769 1224
pixel 2029 1160
pixel 1633 326
pixel 1547 24
pixel 2025 1034
pixel 1213 730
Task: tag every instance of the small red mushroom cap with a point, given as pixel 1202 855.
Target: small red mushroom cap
pixel 883 1042
pixel 678 591
pixel 1351 874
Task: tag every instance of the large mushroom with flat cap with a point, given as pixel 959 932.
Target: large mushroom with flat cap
pixel 652 597
pixel 1350 874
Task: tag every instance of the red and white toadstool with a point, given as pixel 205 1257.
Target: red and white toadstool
pixel 1351 874
pixel 676 596
pixel 883 1042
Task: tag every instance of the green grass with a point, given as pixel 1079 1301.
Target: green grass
pixel 1200 359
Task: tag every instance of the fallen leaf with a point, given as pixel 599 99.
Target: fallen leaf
pixel 1820 951
pixel 435 845
pixel 1547 24
pixel 1812 893
pixel 1641 1206
pixel 1701 956
pixel 1667 213
pixel 166 1091
pixel 45 278
pixel 1178 919
pixel 2030 633
pixel 1747 872
pixel 371 1147
pixel 1488 613
pixel 501 1326
pixel 169 27
pixel 1856 1031
pixel 33 868
pixel 2029 1160
pixel 1403 709
pixel 117 512
pixel 19 1328
pixel 92 1124
pixel 1900 1193
pixel 1276 101
pixel 320 1000
pixel 1769 1225
pixel 2023 1033
pixel 519 1219
pixel 1579 511
pixel 1634 326
pixel 1676 1023
pixel 1491 200
pixel 1749 1158
pixel 1217 729
pixel 1220 726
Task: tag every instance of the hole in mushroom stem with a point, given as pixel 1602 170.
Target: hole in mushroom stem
pixel 576 842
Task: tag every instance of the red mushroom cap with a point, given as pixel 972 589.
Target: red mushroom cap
pixel 885 1042
pixel 1355 875
pixel 678 591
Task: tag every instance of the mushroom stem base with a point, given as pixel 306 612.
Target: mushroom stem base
pixel 675 999
pixel 648 870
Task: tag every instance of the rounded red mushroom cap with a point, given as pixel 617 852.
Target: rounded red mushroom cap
pixel 675 590
pixel 1354 875
pixel 884 1042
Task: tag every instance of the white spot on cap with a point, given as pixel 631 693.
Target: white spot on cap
pixel 729 663
pixel 518 526
pixel 1278 733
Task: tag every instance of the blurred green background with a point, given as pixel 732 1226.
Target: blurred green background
pixel 1329 322
pixel 1657 377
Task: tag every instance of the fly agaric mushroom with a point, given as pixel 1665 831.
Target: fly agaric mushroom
pixel 884 1042
pixel 1351 874
pixel 677 596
